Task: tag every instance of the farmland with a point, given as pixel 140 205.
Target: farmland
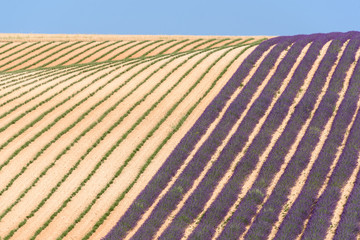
pixel 179 137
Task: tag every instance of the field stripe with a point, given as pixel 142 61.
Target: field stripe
pixel 7 51
pixel 301 157
pixel 116 56
pixel 65 55
pixel 121 139
pixel 106 57
pixel 250 130
pixel 349 221
pixel 158 46
pixel 199 128
pixel 347 189
pixel 234 58
pixel 338 179
pixel 302 76
pixel 78 120
pixel 149 160
pixel 90 48
pixel 21 64
pixel 134 54
pixel 26 53
pixel 53 57
pixel 316 181
pixel 42 115
pixel 203 138
pixel 187 44
pixel 150 226
pixel 188 202
pixel 85 59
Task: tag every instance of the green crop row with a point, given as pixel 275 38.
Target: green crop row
pixel 61 74
pixel 112 50
pixel 100 49
pixel 127 49
pixel 202 44
pixel 8 50
pixel 43 114
pixel 175 129
pixel 78 138
pixel 38 54
pixel 143 47
pixel 138 147
pixel 160 45
pixel 25 54
pixel 82 52
pixel 173 45
pixel 47 57
pixel 187 44
pixel 66 54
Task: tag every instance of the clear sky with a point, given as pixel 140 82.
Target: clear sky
pixel 185 17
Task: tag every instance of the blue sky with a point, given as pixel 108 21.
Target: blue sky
pixel 186 17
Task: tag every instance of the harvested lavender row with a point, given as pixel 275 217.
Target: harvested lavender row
pixel 348 227
pixel 249 204
pixel 324 208
pixel 271 209
pixel 183 149
pixel 191 172
pixel 299 212
pixel 198 199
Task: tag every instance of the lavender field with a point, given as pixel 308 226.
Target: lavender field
pixel 275 155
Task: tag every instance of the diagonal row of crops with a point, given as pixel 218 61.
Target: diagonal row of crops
pixel 77 140
pixel 275 155
pixel 29 55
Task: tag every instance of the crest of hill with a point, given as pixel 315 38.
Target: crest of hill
pixel 36 51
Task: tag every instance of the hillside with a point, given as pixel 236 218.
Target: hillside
pixel 179 137
pixel 83 120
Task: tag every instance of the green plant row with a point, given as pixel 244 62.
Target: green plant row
pixel 100 139
pixel 112 50
pixel 143 142
pixel 47 57
pixel 108 153
pixel 83 51
pixel 158 46
pixel 82 134
pixel 76 71
pixel 8 50
pixel 143 47
pixel 66 54
pixel 173 45
pixel 38 54
pixel 188 44
pixel 28 77
pixel 203 43
pixel 100 49
pixel 13 78
pixel 41 116
pixel 217 42
pixel 148 161
pixel 127 49
pixel 25 54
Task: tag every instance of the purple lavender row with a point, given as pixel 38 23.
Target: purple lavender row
pixel 202 194
pixel 293 223
pixel 320 220
pixel 349 226
pixel 186 145
pixel 271 209
pixel 324 208
pixel 228 196
pixel 249 204
pixel 203 155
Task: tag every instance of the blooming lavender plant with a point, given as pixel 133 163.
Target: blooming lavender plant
pixel 186 145
pixel 271 209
